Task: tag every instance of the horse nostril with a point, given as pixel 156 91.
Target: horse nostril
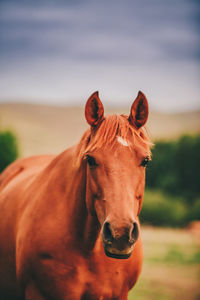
pixel 135 232
pixel 107 232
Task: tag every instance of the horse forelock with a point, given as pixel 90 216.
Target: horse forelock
pixel 107 134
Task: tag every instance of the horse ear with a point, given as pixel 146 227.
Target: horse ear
pixel 94 110
pixel 139 111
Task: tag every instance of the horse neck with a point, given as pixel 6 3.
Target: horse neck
pixel 70 184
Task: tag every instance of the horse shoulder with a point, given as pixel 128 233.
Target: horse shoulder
pixel 13 204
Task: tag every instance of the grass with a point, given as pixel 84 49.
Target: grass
pixel 176 255
pixel 171 269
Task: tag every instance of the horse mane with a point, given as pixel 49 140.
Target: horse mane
pixel 104 136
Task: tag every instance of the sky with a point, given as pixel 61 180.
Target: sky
pixel 60 52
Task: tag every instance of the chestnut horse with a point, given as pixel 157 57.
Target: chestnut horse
pixel 69 226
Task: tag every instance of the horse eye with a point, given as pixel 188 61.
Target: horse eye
pixel 91 161
pixel 145 161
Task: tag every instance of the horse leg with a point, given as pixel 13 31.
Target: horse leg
pixel 32 293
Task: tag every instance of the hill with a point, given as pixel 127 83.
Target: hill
pixel 51 129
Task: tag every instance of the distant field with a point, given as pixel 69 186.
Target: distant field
pixel 171 269
pixel 47 129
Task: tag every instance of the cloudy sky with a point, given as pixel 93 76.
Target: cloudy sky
pixel 59 52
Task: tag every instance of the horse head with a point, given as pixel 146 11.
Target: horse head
pixel 116 152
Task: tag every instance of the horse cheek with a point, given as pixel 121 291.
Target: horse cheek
pixel 91 194
pixel 100 211
pixel 139 196
pixel 90 201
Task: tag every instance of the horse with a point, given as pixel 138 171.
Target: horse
pixel 69 224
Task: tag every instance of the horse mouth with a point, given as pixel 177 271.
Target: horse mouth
pixel 113 253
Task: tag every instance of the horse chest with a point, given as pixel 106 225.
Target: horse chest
pixel 100 289
pixel 80 280
pixel 95 288
pixel 100 282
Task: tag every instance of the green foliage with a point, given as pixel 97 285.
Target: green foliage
pixel 175 167
pixel 175 172
pixel 160 210
pixel 188 166
pixel 193 211
pixel 8 149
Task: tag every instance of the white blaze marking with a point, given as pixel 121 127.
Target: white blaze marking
pixel 122 141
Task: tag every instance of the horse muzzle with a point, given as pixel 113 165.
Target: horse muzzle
pixel 115 253
pixel 119 242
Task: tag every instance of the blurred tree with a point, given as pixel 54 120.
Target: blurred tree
pixel 187 161
pixel 175 167
pixel 160 172
pixel 8 149
pixel 159 210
